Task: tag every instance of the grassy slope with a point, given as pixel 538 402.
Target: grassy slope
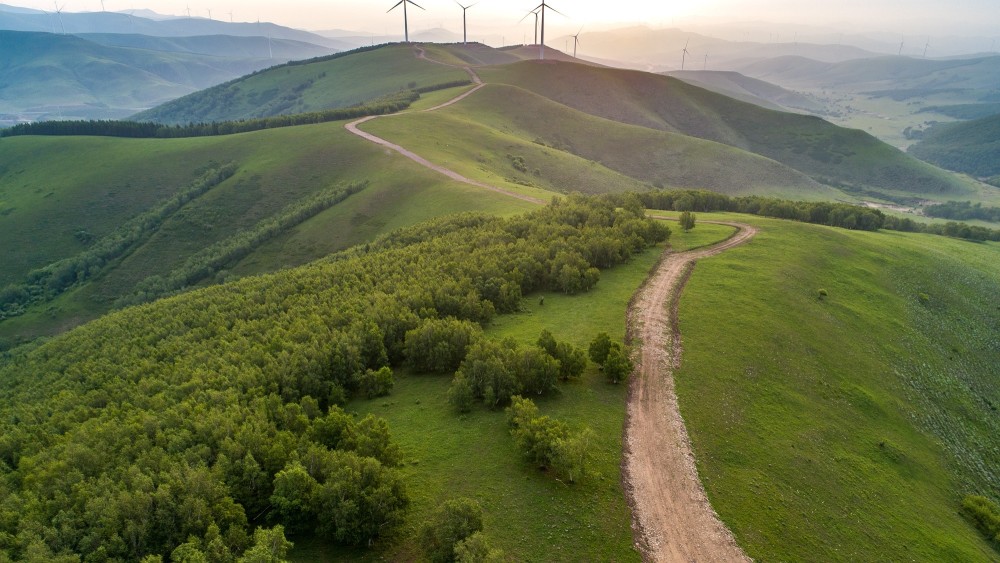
pixel 649 155
pixel 335 83
pixel 817 443
pixel 52 198
pixel 752 90
pixel 483 153
pixel 971 146
pixel 529 515
pixel 808 144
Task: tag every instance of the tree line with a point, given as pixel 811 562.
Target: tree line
pixel 963 211
pixel 50 281
pixel 817 212
pixel 202 426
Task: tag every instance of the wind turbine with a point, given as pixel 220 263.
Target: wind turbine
pixel 541 8
pixel 230 17
pixel 209 10
pixel 926 45
pixel 59 15
pixel 465 33
pixel 270 52
pixel 532 13
pixel 406 19
pixel 902 41
pixel 102 6
pixel 706 63
pixel 576 41
pixel 189 10
pixel 685 53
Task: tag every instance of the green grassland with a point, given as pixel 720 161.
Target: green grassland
pixel 299 88
pixel 847 427
pixel 809 144
pixel 649 155
pixel 972 147
pixel 497 157
pixel 531 516
pixel 51 192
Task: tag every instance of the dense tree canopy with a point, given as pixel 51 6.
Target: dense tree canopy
pixel 192 422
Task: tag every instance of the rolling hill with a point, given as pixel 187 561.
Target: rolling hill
pixel 330 82
pixel 746 89
pixel 840 387
pixel 485 132
pixel 63 76
pixel 972 147
pixel 55 204
pixel 887 75
pixel 830 154
pixel 226 46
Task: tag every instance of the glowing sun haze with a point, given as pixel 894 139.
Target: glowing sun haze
pixel 495 16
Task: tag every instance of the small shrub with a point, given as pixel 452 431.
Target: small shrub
pixel 460 395
pixel 924 298
pixel 984 515
pixel 599 348
pixel 376 383
pixel 823 294
pixel 617 365
pixel 448 526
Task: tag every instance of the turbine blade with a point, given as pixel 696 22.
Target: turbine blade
pixel 556 11
pixel 415 4
pixel 394 7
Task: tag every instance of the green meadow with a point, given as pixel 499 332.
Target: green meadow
pixel 847 426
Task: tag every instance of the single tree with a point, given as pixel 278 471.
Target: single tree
pixel 687 221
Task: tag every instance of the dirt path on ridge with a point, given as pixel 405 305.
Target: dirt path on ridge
pixel 672 519
pixel 353 128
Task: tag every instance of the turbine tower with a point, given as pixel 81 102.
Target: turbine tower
pixel 532 13
pixel 541 8
pixel 576 41
pixel 902 41
pixel 926 45
pixel 465 29
pixel 685 53
pixel 406 18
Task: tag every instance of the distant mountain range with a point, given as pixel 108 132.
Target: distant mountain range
pixel 144 22
pixel 54 76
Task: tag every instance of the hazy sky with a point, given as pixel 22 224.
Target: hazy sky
pixel 936 17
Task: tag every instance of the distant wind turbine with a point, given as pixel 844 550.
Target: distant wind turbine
pixel 189 10
pixel 59 15
pixel 230 17
pixel 576 41
pixel 926 45
pixel 209 10
pixel 406 19
pixel 706 63
pixel 685 53
pixel 102 6
pixel 270 52
pixel 532 13
pixel 541 8
pixel 465 32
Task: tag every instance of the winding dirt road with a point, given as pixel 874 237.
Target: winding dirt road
pixel 671 516
pixel 353 128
